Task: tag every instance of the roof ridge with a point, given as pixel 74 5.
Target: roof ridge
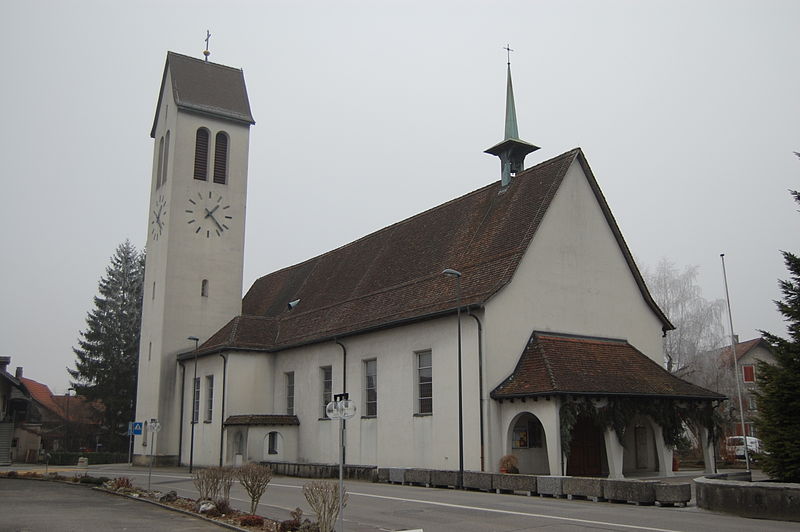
pixel 203 61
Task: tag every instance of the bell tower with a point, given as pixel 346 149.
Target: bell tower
pixel 195 233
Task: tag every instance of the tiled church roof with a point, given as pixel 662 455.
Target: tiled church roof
pixel 395 274
pixel 553 364
pixel 206 87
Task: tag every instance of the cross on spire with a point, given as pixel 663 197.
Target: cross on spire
pixel 508 50
pixel 206 52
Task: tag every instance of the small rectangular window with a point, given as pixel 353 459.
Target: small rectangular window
pixel 196 400
pixel 209 397
pixel 424 382
pixel 371 388
pixel 290 393
pixel 326 374
pixel 749 373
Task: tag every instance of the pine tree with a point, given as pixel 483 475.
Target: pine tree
pixel 108 352
pixel 778 393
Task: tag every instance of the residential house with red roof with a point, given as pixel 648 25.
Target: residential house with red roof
pixel 14 403
pixel 510 320
pixel 748 354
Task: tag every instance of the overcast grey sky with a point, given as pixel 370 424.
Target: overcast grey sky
pixel 370 112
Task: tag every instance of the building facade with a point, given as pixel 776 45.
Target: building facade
pixel 557 330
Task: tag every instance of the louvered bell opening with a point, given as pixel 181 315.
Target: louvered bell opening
pixel 201 155
pixel 221 158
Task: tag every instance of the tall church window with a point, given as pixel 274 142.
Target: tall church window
pixel 371 388
pixel 221 158
pixel 290 393
pixel 204 288
pixel 196 401
pixel 160 167
pixel 166 159
pixel 326 374
pixel 201 154
pixel 424 383
pixel 209 398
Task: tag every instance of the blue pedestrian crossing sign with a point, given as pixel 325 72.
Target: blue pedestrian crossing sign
pixel 137 428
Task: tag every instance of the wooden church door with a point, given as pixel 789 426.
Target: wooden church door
pixel 585 450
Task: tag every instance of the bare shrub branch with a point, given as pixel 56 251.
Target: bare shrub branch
pixel 323 497
pixel 255 479
pixel 207 481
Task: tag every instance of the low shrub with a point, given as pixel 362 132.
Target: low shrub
pixel 96 481
pixel 12 474
pixel 251 520
pixel 120 483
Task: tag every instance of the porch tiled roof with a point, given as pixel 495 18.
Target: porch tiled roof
pixel 262 419
pixel 554 364
pixel 395 275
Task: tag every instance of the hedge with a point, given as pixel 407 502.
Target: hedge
pixel 71 458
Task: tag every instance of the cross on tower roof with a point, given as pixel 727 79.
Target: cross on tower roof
pixel 206 52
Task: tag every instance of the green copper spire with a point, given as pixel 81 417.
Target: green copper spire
pixel 511 150
pixel 511 110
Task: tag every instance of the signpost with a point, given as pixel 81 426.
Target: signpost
pixel 154 427
pixel 134 429
pixel 341 408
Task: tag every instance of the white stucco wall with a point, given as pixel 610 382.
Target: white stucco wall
pixel 573 279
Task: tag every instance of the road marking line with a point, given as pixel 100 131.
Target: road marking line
pixel 497 511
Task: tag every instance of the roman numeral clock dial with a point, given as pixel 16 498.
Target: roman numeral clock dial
pixel 208 214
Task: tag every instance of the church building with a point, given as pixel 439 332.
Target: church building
pixel 513 315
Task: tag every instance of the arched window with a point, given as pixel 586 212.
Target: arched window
pixel 166 159
pixel 201 154
pixel 160 162
pixel 204 288
pixel 221 158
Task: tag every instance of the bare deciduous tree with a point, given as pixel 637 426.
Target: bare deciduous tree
pixel 697 321
pixel 255 479
pixel 323 497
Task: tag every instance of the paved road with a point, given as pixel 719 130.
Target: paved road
pixel 33 506
pixel 382 507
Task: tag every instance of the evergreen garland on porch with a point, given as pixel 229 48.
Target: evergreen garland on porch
pixel 617 413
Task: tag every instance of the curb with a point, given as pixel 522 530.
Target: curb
pixel 172 508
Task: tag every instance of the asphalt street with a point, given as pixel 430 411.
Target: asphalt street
pixel 382 507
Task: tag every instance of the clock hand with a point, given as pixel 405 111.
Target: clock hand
pixel 216 222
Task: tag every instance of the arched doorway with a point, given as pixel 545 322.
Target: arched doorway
pixel 527 442
pixel 587 449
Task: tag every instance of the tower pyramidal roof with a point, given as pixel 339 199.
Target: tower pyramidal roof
pixel 511 150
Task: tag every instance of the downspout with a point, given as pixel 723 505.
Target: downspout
pixel 222 410
pixel 344 390
pixel 480 383
pixel 180 431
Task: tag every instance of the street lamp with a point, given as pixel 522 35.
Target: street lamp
pixel 454 273
pixel 341 408
pixel 66 421
pixel 195 408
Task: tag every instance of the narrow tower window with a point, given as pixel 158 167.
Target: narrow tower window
pixel 221 158
pixel 160 162
pixel 204 288
pixel 166 159
pixel 201 154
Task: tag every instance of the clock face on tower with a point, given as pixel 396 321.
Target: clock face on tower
pixel 208 214
pixel 159 218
